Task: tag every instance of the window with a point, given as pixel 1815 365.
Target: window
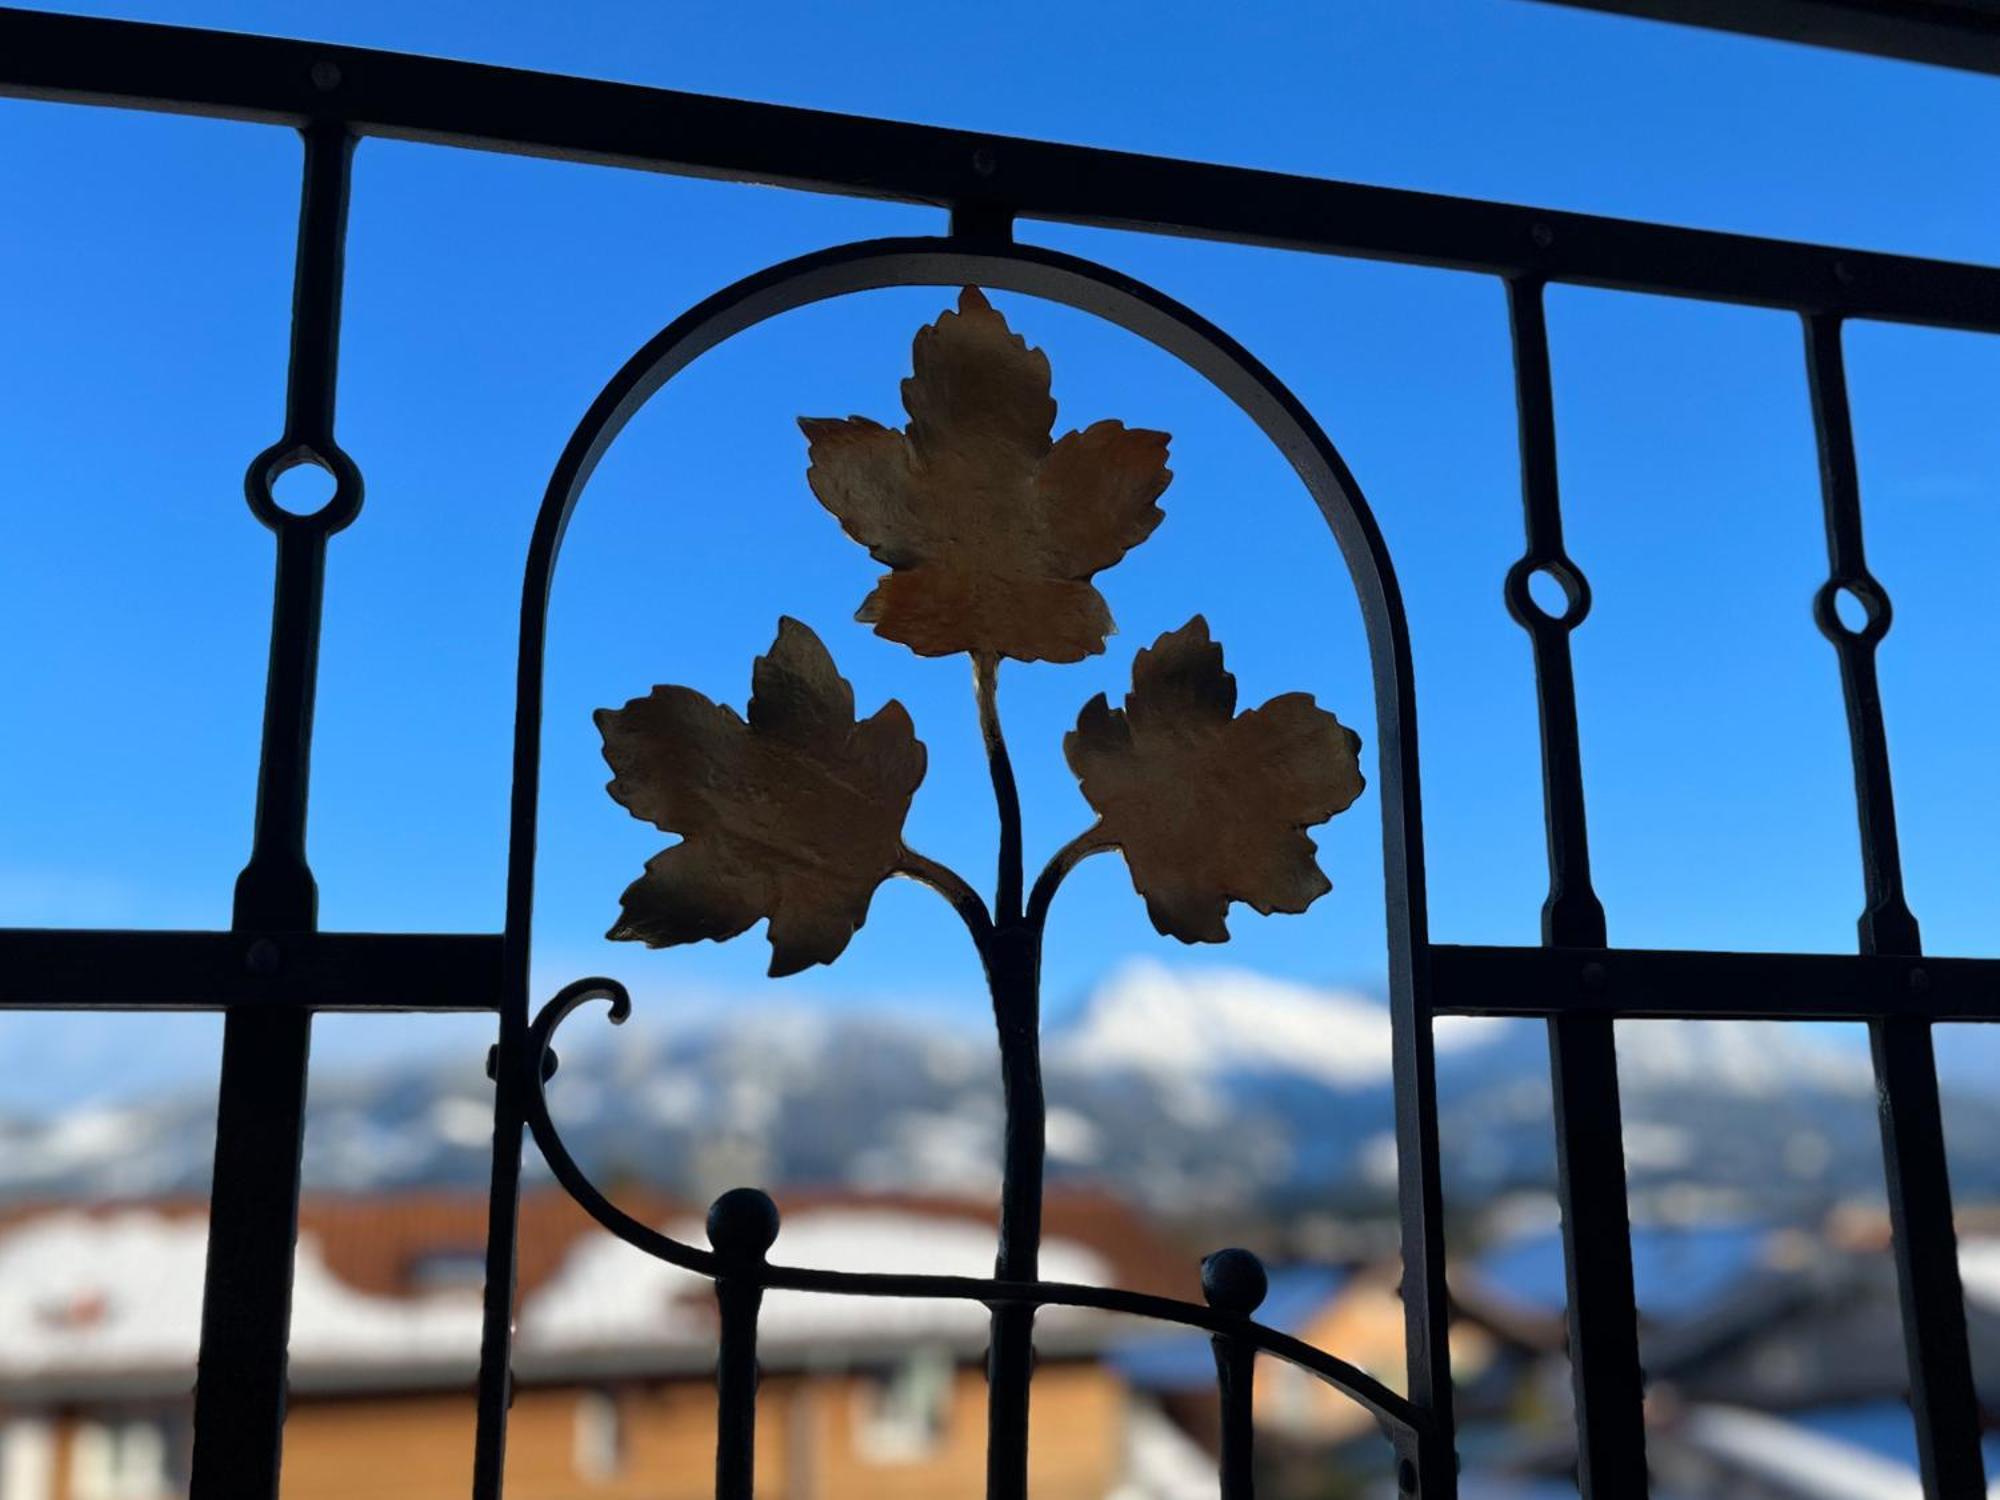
pixel 600 1436
pixel 124 1459
pixel 27 1460
pixel 901 1411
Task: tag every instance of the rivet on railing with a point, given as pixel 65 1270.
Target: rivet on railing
pixel 264 958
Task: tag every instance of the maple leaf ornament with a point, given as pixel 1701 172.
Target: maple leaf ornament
pixel 1210 806
pixel 794 814
pixel 991 530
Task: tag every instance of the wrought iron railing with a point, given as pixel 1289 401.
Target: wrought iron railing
pixel 274 969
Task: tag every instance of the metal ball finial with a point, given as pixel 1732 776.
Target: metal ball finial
pixel 1233 1281
pixel 743 1223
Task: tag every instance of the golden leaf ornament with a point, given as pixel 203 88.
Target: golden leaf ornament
pixel 793 814
pixel 1208 805
pixel 991 529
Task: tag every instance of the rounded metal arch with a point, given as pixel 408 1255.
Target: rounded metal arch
pixel 946 262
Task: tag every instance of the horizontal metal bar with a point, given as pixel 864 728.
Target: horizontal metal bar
pixel 1642 983
pixel 178 69
pixel 62 968
pixel 1949 33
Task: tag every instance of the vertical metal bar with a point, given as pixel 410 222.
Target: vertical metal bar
pixel 1235 1369
pixel 1942 1395
pixel 495 1381
pixel 260 1118
pixel 1011 956
pixel 1427 1463
pixel 1013 963
pixel 1887 924
pixel 742 1226
pixel 1583 1057
pixel 1234 1282
pixel 1429 1467
pixel 1010 1363
pixel 510 1057
pixel 495 1384
pixel 736 1389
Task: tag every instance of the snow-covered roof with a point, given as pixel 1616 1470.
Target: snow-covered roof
pixel 1161 1461
pixel 116 1296
pixel 1677 1270
pixel 122 1293
pixel 1793 1459
pixel 607 1294
pixel 1979 1268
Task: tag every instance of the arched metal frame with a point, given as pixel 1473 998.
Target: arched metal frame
pixel 1420 1425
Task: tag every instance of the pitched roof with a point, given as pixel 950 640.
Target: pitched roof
pixel 108 1296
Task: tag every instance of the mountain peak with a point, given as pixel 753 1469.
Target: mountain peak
pixel 1200 1022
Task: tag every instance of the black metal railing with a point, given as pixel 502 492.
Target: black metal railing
pixel 273 969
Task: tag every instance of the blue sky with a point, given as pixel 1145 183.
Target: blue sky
pixel 147 267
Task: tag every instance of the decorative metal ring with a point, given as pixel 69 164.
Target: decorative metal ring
pixel 1527 610
pixel 288 453
pixel 1866 592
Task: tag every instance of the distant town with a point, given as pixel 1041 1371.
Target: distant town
pixel 1189 1109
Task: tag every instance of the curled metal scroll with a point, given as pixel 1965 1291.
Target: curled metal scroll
pixel 1420 1424
pixel 1384 1404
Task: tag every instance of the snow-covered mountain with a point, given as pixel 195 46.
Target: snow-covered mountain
pixel 1211 1023
pixel 1191 1089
